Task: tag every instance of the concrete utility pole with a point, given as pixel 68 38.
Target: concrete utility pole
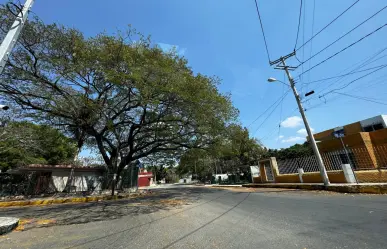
pixel 323 171
pixel 13 34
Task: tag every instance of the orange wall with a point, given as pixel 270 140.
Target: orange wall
pixel 353 128
pixel 348 129
pixel 257 180
pixel 378 137
pixel 312 177
pixel 371 175
pixel 323 135
pixel 287 178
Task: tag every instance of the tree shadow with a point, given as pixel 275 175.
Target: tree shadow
pixel 67 214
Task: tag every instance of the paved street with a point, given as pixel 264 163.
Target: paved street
pixel 198 217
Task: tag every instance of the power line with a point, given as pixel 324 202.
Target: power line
pixel 342 50
pixel 263 32
pixel 364 62
pixel 338 76
pixel 361 98
pixel 351 82
pixel 271 112
pixel 303 40
pixel 269 134
pixel 368 60
pixel 377 81
pixel 338 39
pixel 263 113
pixel 311 43
pixel 326 26
pixel 299 21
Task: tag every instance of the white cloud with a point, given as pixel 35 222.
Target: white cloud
pixel 169 47
pixel 303 131
pixel 292 140
pixel 279 137
pixel 292 122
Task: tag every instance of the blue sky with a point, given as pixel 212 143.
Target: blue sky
pixel 223 38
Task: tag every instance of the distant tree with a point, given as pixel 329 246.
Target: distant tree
pixel 24 143
pixel 229 153
pixel 125 96
pixel 294 151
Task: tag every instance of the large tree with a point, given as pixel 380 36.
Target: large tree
pixel 121 93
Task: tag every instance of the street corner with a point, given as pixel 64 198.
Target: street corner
pixel 7 224
pixel 25 224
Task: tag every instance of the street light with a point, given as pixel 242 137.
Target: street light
pixel 271 79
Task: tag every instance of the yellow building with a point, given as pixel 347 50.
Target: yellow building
pixel 366 142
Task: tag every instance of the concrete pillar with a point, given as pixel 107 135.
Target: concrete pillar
pixel 370 149
pixel 262 171
pixel 300 173
pixel 274 168
pixel 348 173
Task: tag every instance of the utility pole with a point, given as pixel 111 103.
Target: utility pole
pixel 323 171
pixel 13 34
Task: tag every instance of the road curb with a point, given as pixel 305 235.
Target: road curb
pixel 7 224
pixel 43 202
pixel 365 189
pixel 223 185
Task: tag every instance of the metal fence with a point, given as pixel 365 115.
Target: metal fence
pixel 360 158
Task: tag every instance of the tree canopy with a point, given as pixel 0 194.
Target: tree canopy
pixel 23 143
pixel 119 93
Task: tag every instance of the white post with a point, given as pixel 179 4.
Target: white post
pixel 351 165
pixel 323 171
pixel 300 173
pixel 13 34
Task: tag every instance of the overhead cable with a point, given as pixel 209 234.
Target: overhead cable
pixel 326 26
pixel 342 50
pixel 263 32
pixel 299 21
pixel 338 39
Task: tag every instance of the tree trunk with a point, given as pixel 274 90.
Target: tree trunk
pixel 77 154
pixel 113 184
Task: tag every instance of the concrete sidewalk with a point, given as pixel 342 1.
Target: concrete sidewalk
pixel 368 188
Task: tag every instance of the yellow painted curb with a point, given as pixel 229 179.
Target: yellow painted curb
pixel 61 201
pixel 369 190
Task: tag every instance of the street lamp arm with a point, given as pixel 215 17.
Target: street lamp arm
pixel 274 80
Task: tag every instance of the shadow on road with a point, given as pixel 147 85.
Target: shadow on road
pixel 161 218
pixel 65 214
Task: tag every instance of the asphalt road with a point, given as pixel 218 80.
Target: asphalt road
pixel 193 217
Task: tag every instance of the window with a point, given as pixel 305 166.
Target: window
pixel 378 126
pixel 373 127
